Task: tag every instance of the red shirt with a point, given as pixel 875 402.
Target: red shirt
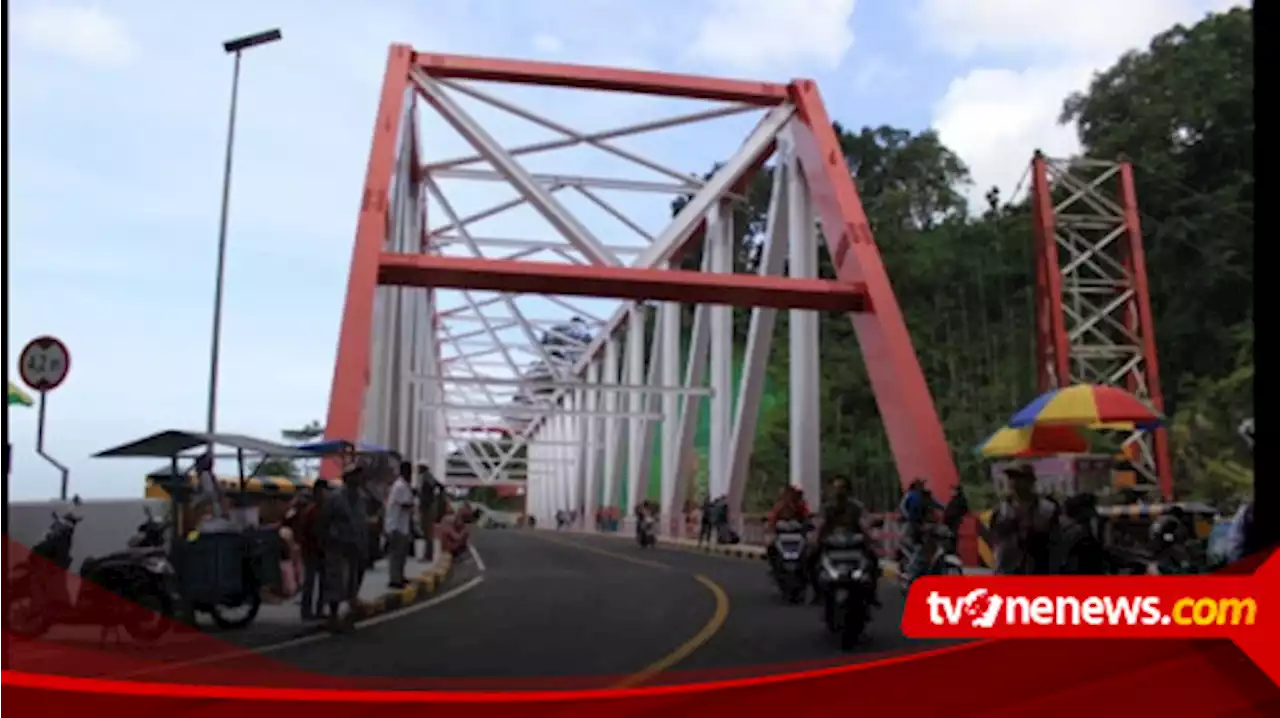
pixel 794 512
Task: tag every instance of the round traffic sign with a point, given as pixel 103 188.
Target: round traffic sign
pixel 44 363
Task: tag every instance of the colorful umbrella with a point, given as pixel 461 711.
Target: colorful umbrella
pixel 18 396
pixel 1033 442
pixel 1087 405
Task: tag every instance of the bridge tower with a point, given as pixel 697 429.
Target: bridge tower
pixel 598 400
pixel 1093 308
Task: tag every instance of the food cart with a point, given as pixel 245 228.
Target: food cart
pixel 222 566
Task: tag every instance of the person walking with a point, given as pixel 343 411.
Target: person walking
pixel 399 525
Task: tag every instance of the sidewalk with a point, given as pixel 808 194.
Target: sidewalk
pixel 283 620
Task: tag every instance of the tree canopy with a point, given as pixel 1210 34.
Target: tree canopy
pixel 1181 111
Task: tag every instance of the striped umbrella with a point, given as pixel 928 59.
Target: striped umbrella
pixel 1033 442
pixel 18 396
pixel 1087 405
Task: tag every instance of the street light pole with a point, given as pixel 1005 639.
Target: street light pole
pixel 235 47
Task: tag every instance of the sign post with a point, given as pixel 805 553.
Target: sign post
pixel 43 366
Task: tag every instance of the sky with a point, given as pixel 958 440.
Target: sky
pixel 118 112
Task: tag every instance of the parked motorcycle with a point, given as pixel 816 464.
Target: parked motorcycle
pixel 133 589
pixel 846 580
pixel 788 565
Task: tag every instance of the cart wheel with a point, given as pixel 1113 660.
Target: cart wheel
pixel 230 618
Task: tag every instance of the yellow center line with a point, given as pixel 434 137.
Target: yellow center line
pixel 713 625
pixel 686 649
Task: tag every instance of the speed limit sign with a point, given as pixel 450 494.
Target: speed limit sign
pixel 44 363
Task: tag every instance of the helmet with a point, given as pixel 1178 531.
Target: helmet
pixel 1165 530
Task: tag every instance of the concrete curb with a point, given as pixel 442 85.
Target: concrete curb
pixel 420 588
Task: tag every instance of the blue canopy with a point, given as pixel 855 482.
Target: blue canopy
pixel 337 446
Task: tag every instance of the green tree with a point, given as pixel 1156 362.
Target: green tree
pixel 289 468
pixel 1182 111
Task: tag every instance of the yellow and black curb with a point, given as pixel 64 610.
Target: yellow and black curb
pixel 420 588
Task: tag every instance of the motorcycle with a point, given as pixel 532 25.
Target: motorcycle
pixel 939 544
pixel 788 566
pixel 846 580
pixel 132 589
pixel 646 533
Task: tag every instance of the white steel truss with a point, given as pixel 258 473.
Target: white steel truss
pixel 586 400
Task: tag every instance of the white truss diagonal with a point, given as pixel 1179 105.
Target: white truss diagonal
pixel 572 395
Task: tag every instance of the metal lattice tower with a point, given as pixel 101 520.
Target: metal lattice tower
pixel 1093 308
pixel 438 337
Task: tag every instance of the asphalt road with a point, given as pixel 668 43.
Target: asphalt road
pixel 548 610
pixel 573 610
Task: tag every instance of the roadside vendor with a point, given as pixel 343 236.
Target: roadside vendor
pixel 1024 525
pixel 210 503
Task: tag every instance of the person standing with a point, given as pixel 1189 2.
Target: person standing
pixel 312 551
pixel 1024 525
pixel 429 491
pixel 339 535
pixel 210 492
pixel 708 516
pixel 354 491
pixel 399 525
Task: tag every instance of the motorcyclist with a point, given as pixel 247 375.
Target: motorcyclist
pixel 843 512
pixel 1169 543
pixel 790 506
pixel 1078 551
pixel 643 511
pixel 917 508
pixel 957 508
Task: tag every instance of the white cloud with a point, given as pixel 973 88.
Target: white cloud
pixel 548 44
pixel 128 194
pixel 995 116
pixel 766 34
pixel 1097 28
pixel 84 34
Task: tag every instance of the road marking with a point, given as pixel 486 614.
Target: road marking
pixel 305 640
pixel 475 556
pixel 687 648
pixel 713 625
